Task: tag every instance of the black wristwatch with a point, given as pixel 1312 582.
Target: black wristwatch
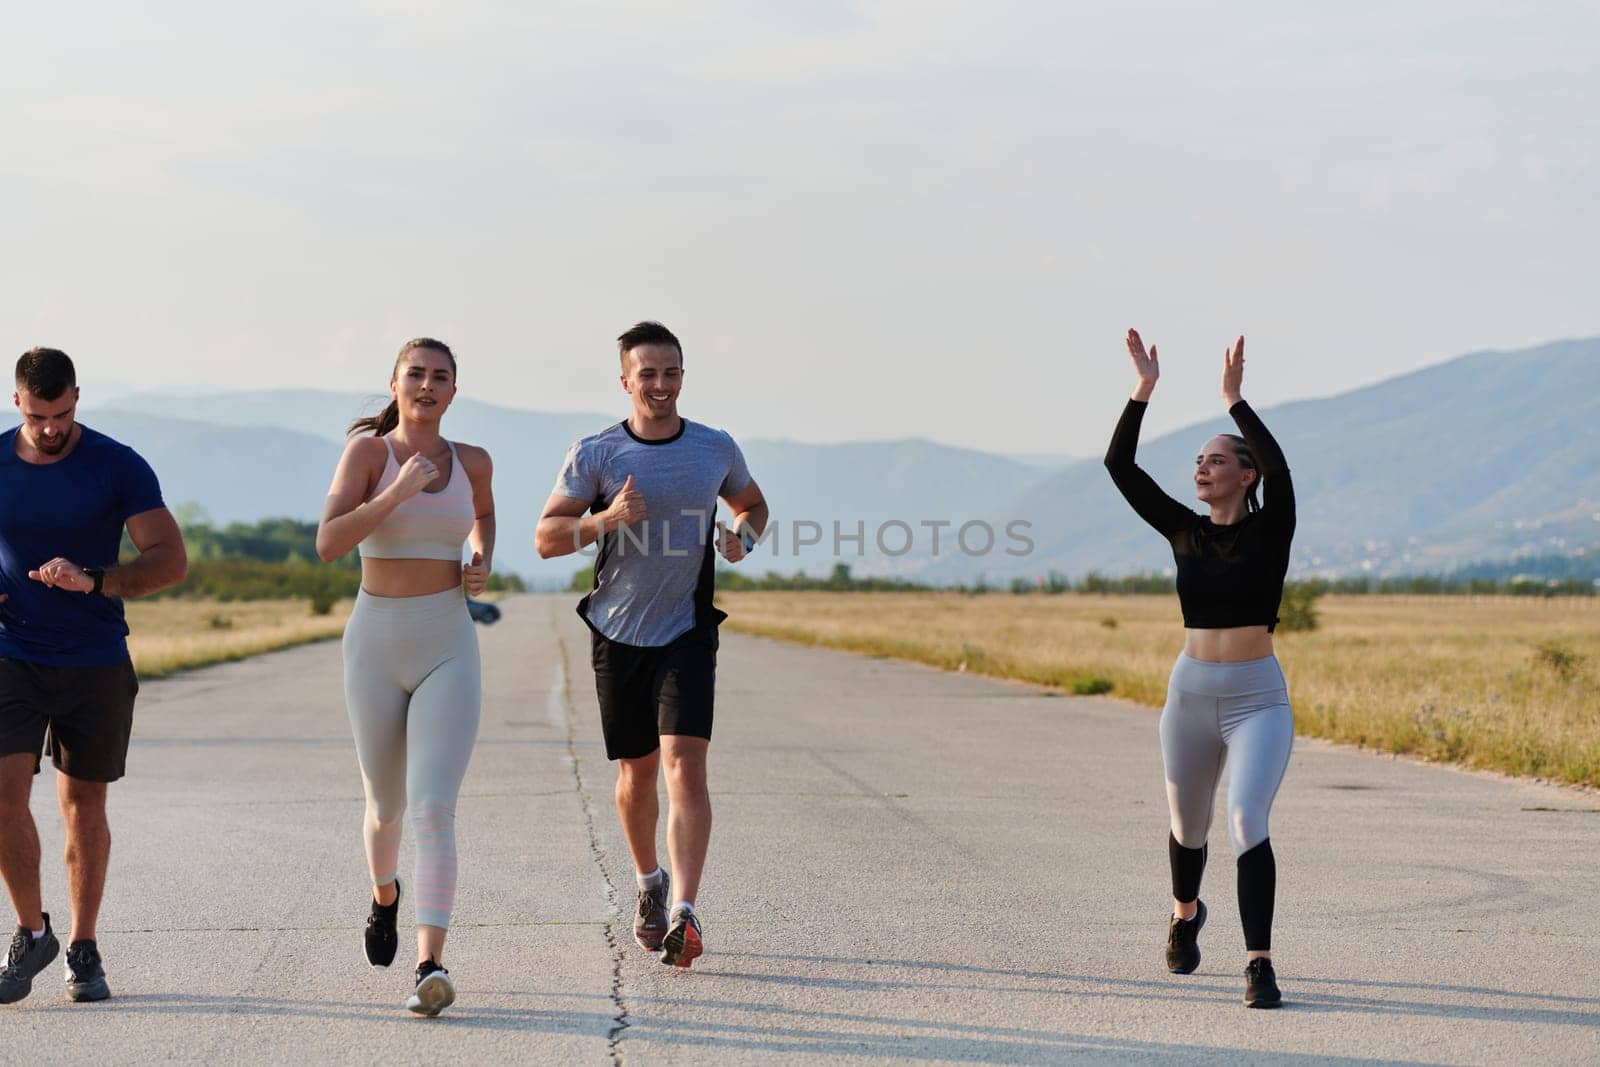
pixel 99 576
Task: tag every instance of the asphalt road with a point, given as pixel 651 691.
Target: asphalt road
pixel 907 866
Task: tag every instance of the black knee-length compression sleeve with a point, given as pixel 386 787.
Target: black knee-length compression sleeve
pixel 1188 864
pixel 1258 885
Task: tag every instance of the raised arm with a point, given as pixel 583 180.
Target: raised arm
pixel 749 507
pixel 1277 494
pixel 1138 488
pixel 564 528
pixel 480 470
pixel 162 561
pixel 347 515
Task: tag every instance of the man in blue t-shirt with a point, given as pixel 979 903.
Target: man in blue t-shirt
pixel 650 485
pixel 66 682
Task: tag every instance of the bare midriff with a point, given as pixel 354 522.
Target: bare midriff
pixel 408 577
pixel 1233 644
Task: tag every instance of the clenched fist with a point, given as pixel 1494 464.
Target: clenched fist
pixel 627 509
pixel 476 575
pixel 416 474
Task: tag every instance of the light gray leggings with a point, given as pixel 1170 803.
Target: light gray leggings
pixel 1233 713
pixel 413 686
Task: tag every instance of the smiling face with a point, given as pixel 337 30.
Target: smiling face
pixel 653 377
pixel 1220 476
pixel 424 383
pixel 47 424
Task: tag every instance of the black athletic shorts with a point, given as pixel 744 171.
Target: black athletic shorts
pixel 81 716
pixel 647 692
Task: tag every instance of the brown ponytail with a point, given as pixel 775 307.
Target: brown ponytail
pixel 1247 459
pixel 389 417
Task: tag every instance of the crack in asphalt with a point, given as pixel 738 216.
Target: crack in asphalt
pixel 561 690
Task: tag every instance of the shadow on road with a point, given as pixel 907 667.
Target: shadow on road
pixel 259 1007
pixel 894 1038
pixel 1473 1002
pixel 921 1040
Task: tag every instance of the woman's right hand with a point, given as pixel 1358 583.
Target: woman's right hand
pixel 416 474
pixel 1147 367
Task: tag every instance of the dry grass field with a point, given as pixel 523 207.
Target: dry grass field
pixel 174 635
pixel 1503 683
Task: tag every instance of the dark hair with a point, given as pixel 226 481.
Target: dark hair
pixel 646 333
pixel 389 417
pixel 45 372
pixel 1247 459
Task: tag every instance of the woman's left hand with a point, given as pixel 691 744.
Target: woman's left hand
pixel 476 575
pixel 1233 372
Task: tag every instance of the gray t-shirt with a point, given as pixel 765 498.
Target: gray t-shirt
pixel 653 580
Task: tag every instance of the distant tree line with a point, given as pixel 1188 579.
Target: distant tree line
pixel 838 581
pixel 1456 584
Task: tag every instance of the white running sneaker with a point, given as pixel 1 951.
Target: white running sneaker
pixel 434 992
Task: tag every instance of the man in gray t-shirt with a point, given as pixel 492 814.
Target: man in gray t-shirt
pixel 646 490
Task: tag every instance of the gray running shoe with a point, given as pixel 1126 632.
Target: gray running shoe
pixel 27 957
pixel 86 979
pixel 434 992
pixel 650 924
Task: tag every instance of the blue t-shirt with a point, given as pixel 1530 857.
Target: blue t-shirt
pixel 75 508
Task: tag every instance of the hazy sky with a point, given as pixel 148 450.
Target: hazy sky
pixel 866 220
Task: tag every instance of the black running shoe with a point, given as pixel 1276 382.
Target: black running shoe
pixel 434 991
pixel 1261 985
pixel 650 924
pixel 27 957
pixel 1183 948
pixel 682 945
pixel 381 938
pixel 86 979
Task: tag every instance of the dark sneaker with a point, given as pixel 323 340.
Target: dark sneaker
pixel 86 979
pixel 650 925
pixel 381 938
pixel 434 992
pixel 1261 985
pixel 682 945
pixel 1183 948
pixel 27 957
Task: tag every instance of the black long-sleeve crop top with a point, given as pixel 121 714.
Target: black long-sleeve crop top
pixel 1227 575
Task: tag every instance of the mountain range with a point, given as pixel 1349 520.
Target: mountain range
pixel 1489 456
pixel 248 455
pixel 1484 457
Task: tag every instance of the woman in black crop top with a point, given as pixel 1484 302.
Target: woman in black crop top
pixel 1227 700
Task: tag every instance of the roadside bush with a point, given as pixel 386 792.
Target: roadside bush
pixel 1564 661
pixel 1298 610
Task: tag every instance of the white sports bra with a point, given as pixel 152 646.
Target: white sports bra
pixel 428 525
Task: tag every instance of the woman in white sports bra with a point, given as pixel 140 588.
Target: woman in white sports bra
pixel 409 499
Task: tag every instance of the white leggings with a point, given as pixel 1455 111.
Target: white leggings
pixel 413 686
